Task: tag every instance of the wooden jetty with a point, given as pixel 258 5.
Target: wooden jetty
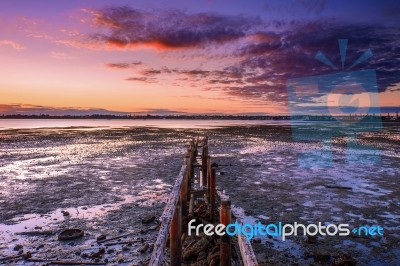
pixel 194 196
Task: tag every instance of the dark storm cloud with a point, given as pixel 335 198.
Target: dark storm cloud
pixel 296 6
pixel 292 54
pixel 266 54
pixel 125 27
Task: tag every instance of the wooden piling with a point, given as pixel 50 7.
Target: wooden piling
pixel 191 204
pixel 204 165
pixel 190 173
pixel 183 195
pixel 208 177
pixel 181 202
pixel 225 246
pixel 192 159
pixel 184 192
pixel 175 241
pixel 213 193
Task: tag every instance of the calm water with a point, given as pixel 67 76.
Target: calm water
pixel 105 123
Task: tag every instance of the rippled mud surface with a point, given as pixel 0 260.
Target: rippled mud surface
pixel 263 173
pixel 108 180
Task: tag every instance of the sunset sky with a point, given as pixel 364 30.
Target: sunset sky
pixel 167 57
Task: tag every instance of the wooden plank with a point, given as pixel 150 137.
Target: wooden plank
pixel 246 250
pixel 175 237
pixel 157 256
pixel 213 194
pixel 225 247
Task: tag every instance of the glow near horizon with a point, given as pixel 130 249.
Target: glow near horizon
pixel 38 70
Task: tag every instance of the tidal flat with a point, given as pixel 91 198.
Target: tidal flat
pixel 105 181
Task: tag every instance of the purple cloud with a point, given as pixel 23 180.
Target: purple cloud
pixel 266 54
pixel 125 27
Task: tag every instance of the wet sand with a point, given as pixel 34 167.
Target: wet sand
pixel 110 179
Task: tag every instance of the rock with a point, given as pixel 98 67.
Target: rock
pixel 27 255
pixel 98 253
pixel 213 257
pixel 311 239
pixel 154 227
pixel 111 250
pixel 101 237
pixel 202 256
pixel 148 219
pixel 212 263
pixel 144 248
pixel 307 255
pixel 344 260
pixel 321 255
pixel 65 213
pixel 70 234
pixel 199 263
pixel 215 248
pixel 192 251
pixel 257 240
pixel 18 247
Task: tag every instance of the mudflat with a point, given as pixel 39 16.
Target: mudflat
pixel 107 181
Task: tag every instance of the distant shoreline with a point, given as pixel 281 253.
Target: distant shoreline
pixel 361 118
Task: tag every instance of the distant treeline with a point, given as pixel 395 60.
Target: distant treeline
pixel 365 118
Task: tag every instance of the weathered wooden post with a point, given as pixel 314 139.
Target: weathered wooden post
pixel 184 193
pixel 225 246
pixel 204 164
pixel 196 146
pixel 190 174
pixel 175 232
pixel 192 158
pixel 191 204
pixel 213 194
pixel 208 177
